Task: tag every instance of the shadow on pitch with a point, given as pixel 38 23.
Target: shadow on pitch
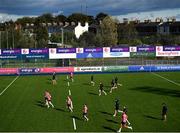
pixel 92 93
pixel 112 121
pixel 159 91
pixel 106 113
pixel 152 117
pixel 40 104
pixel 109 128
pixel 58 109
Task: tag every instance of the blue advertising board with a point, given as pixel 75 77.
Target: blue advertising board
pixel 141 68
pixel 36 53
pixel 66 50
pixel 90 53
pixel 10 53
pixel 153 68
pixel 146 49
pixel 29 70
pixel 171 48
pixel 119 49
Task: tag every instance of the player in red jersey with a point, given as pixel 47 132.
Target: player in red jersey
pixel 69 103
pixel 124 121
pixel 48 97
pixel 85 112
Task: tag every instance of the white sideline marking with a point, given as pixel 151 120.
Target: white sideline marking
pixel 166 79
pixel 74 123
pixel 9 85
pixel 69 92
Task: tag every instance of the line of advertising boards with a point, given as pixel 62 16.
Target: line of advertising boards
pixel 105 52
pixel 95 69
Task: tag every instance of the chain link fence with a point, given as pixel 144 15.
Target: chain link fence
pixel 88 62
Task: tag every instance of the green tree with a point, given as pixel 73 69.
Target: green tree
pixel 41 36
pixel 60 18
pixel 100 16
pixel 87 39
pixel 78 17
pixel 127 33
pixel 109 31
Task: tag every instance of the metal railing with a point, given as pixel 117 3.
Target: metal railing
pixel 87 62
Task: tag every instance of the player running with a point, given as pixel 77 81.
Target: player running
pixel 48 97
pixel 69 103
pixel 112 85
pixel 54 79
pixel 164 112
pixel 124 121
pixel 116 82
pixel 117 105
pixel 71 76
pixel 92 80
pixel 101 89
pixel 85 112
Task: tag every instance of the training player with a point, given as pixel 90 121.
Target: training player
pixel 69 103
pixel 112 86
pixel 71 76
pixel 101 89
pixel 47 97
pixel 124 121
pixel 164 112
pixel 92 80
pixel 85 112
pixel 117 107
pixel 116 82
pixel 54 79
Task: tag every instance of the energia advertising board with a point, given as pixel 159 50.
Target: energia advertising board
pixel 89 52
pixel 35 53
pixel 10 53
pixel 62 53
pixel 105 52
pixel 167 51
pixel 109 52
pixel 148 51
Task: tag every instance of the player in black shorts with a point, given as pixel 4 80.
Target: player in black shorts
pixel 101 89
pixel 112 85
pixel 164 112
pixel 92 80
pixel 116 107
pixel 54 79
pixel 116 82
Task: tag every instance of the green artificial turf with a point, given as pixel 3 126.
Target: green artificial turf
pixel 22 104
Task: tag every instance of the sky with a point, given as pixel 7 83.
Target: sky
pixel 132 9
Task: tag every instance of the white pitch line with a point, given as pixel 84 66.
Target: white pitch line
pixel 9 85
pixel 74 124
pixel 69 92
pixel 166 79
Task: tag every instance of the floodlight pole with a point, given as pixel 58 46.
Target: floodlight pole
pixel 0 39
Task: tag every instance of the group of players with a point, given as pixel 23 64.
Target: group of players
pixel 114 84
pixel 69 103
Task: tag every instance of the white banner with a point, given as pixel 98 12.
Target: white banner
pixel 79 50
pixel 107 53
pixel 54 55
pixel 87 69
pixel 25 51
pixel 133 49
pixel 161 53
